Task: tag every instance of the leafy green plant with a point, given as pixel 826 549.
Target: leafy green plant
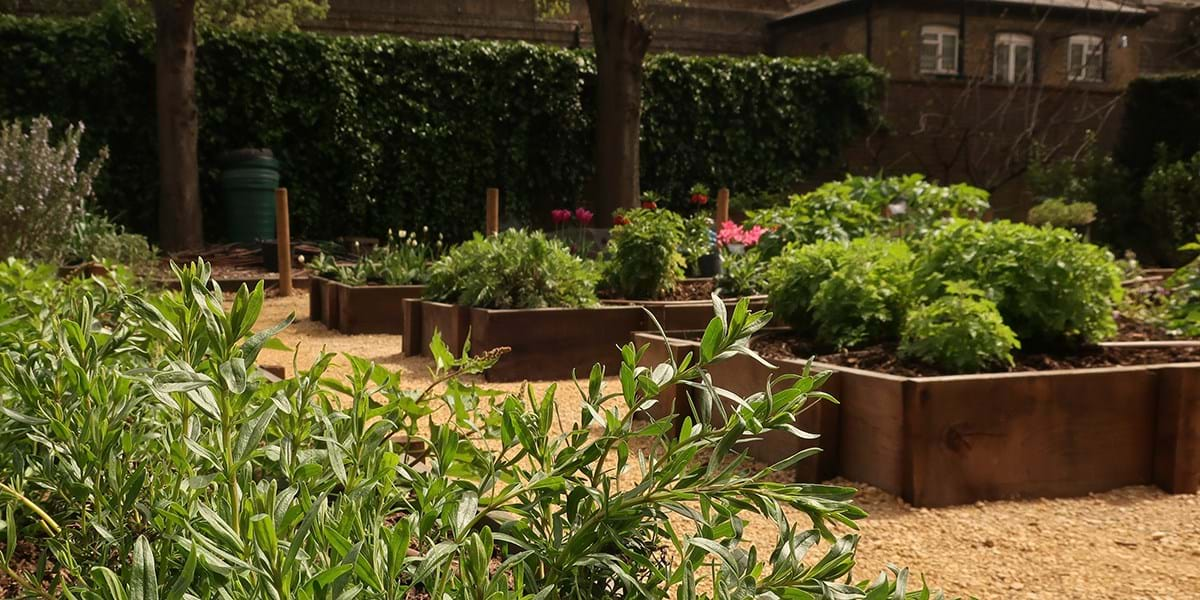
pixel 643 259
pixel 699 240
pixel 1051 288
pixel 860 206
pixel 404 260
pixel 514 269
pixel 742 274
pixel 144 458
pixel 1183 303
pixel 96 237
pixel 1057 212
pixel 794 278
pixel 43 189
pixel 1169 209
pixel 960 332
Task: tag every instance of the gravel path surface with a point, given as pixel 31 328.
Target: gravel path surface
pixel 1135 542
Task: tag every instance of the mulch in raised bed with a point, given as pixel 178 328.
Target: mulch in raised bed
pixel 885 357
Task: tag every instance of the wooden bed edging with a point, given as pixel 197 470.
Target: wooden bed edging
pixel 682 315
pixel 939 441
pixel 360 309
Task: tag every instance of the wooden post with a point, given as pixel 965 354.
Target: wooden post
pixel 283 235
pixel 493 211
pixel 722 206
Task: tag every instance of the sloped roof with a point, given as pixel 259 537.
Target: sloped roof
pixel 1109 6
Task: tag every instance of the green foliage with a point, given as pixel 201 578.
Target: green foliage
pixel 1050 287
pixel 43 189
pixel 643 261
pixel 1183 303
pixel 404 260
pixel 960 332
pixel 515 269
pixel 859 206
pixel 751 124
pixel 379 132
pixel 1162 112
pixel 1171 208
pixel 1094 178
pixel 699 240
pixel 844 294
pixel 742 274
pixel 150 460
pixel 1057 212
pixel 95 237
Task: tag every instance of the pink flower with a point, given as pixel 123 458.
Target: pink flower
pixel 583 215
pixel 751 237
pixel 560 216
pixel 729 233
pixel 732 233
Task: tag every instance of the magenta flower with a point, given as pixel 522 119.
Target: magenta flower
pixel 730 233
pixel 750 237
pixel 560 216
pixel 584 216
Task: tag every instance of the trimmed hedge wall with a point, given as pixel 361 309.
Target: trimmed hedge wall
pixel 379 132
pixel 1160 110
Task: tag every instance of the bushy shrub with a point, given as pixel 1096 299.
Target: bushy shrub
pixel 643 259
pixel 864 300
pixel 960 332
pixel 96 237
pixel 859 206
pixel 1057 212
pixel 1050 287
pixel 514 269
pixel 1183 302
pixel 404 260
pixel 742 274
pixel 699 240
pixel 1171 208
pixel 43 189
pixel 845 294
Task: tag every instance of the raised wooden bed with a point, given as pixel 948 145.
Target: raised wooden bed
pixel 683 315
pixel 545 343
pixel 360 309
pixel 938 441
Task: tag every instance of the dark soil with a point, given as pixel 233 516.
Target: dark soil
pixel 885 358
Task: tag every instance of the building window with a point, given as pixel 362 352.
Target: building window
pixel 939 50
pixel 1014 58
pixel 1085 58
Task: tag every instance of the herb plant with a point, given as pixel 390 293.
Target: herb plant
pixel 1060 213
pixel 961 332
pixel 514 269
pixel 1183 303
pixel 145 458
pixel 643 260
pixel 95 237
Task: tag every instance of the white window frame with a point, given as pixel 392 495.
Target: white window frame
pixel 1091 70
pixel 1011 71
pixel 938 36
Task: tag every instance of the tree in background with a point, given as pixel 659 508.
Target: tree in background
pixel 621 34
pixel 180 222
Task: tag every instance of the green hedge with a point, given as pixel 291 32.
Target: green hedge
pixel 379 132
pixel 1160 110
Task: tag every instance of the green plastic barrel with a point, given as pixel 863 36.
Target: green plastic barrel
pixel 248 182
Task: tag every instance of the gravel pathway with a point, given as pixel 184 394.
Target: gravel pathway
pixel 1135 542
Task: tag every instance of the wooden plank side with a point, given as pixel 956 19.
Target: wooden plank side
pixel 374 308
pixel 330 312
pixel 552 343
pixel 870 429
pixel 450 320
pixel 1042 435
pixel 410 344
pixel 1177 441
pixel 315 291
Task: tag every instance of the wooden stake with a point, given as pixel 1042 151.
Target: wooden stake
pixel 283 236
pixel 722 206
pixel 493 211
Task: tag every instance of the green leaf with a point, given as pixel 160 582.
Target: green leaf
pixel 143 581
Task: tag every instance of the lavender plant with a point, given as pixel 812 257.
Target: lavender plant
pixel 43 188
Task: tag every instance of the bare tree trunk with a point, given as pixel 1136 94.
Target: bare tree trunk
pixel 179 219
pixel 621 40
